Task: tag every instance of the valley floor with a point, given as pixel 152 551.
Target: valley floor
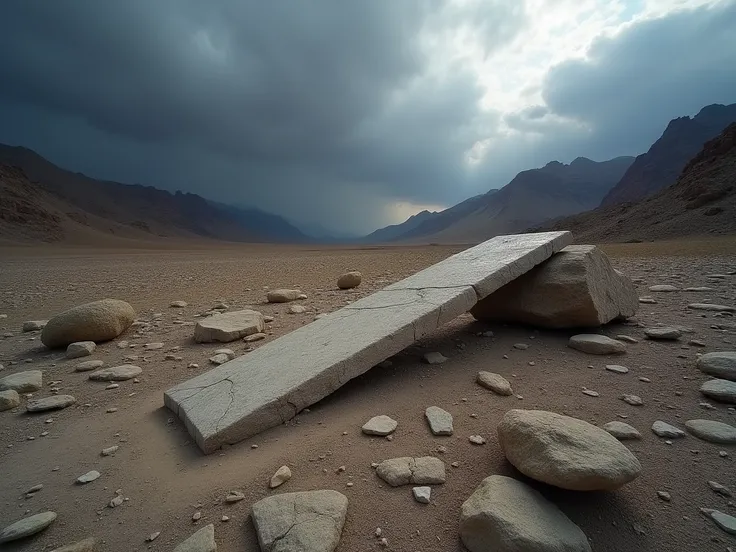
pixel 166 479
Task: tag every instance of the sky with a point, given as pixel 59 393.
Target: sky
pixel 352 114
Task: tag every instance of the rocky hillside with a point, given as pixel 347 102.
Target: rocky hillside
pixel 156 213
pixel 662 164
pixel 701 202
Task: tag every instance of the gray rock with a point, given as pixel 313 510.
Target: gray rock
pixel 201 541
pixel 724 521
pixel 80 349
pixel 663 334
pixel 86 545
pixel 297 309
pixel 477 439
pixel 282 475
pixel 627 338
pixel 88 477
pixel 55 402
pixel 380 425
pixel 23 382
pixel 434 358
pixel 89 365
pixel 622 431
pixel 700 289
pixel 283 295
pixel 153 346
pixel 663 288
pixel 229 326
pixel 97 321
pixel 721 364
pixel 254 337
pixel 27 526
pixel 663 429
pixel 710 307
pixel 719 489
pixel 712 431
pixel 495 382
pixel 116 373
pixel 720 389
pixel 595 344
pixel 591 392
pixel 309 521
pixel 109 451
pixel 33 325
pixel 565 452
pixel 349 280
pixel 633 400
pixel 234 496
pixel 426 470
pixel 422 494
pixel 440 421
pixel 577 287
pixel 506 515
pixel 178 304
pixel 617 368
pixel 647 301
pixel 220 358
pixel 9 399
pixel 229 353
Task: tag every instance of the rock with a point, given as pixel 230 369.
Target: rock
pixel 664 334
pixel 97 321
pixel 521 346
pixel 622 431
pixel 55 402
pixel 349 280
pixel 710 307
pixel 33 325
pixel 234 496
pixel 229 353
pixel 663 288
pixel 577 287
pixel 617 369
pixel 109 451
pixel 724 521
pixel 664 496
pixel 565 452
pixel 434 358
pixel 254 337
pixel 89 365
pixel 27 526
pixel 228 326
pixel 9 399
pixel 426 470
pixel 440 421
pixel 595 344
pixel 283 295
pixel 297 309
pixel 591 393
pixel 721 364
pixel 506 515
pixel 422 494
pixel 720 389
pixel 201 541
pixel 88 477
pixel 153 536
pixel 80 349
pixel 633 400
pixel 116 373
pixel 495 382
pixel 282 475
pixel 116 501
pixel 178 304
pixel 477 440
pixel 23 382
pixel 380 425
pixel 647 301
pixel 153 346
pixel 663 429
pixel 219 358
pixel 309 521
pixel 712 431
pixel 627 339
pixel 86 545
pixel 719 489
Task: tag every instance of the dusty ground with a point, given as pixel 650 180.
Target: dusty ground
pixel 167 479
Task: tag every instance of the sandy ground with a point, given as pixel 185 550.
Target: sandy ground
pixel 166 478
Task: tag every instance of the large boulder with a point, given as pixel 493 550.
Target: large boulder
pixel 228 326
pixel 97 321
pixel 506 515
pixel 565 452
pixel 577 287
pixel 309 521
pixel 721 364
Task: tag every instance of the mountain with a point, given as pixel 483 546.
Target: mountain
pixel 662 164
pixel 390 233
pixel 532 197
pixel 157 213
pixel 701 202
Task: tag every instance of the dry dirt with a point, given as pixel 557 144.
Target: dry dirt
pixel 167 479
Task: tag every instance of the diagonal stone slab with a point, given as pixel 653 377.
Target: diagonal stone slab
pixel 272 384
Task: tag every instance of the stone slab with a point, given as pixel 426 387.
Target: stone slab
pixel 272 384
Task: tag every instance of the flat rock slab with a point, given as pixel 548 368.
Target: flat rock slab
pixel 23 382
pixel 89 365
pixel 712 431
pixel 272 384
pixel 495 382
pixel 724 521
pixel 116 373
pixel 721 364
pixel 595 344
pixel 663 429
pixel 622 431
pixel 720 389
pixel 27 526
pixel 440 420
pixel 56 402
pixel 711 307
pixel 380 425
pixel 228 326
pixel 426 470
pixel 663 334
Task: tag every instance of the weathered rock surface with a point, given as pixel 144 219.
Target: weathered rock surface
pixel 283 295
pixel 440 421
pixel 595 344
pixel 309 521
pixel 426 470
pixel 228 326
pixel 720 389
pixel 622 431
pixel 565 452
pixel 721 364
pixel 33 325
pixel 27 526
pixel 663 429
pixel 55 402
pixel 380 425
pixel 116 373
pixel 664 334
pixel 89 365
pixel 577 287
pixel 97 321
pixel 495 382
pixel 712 431
pixel 80 349
pixel 86 545
pixel 23 382
pixel 201 541
pixel 506 515
pixel 349 280
pixel 9 399
pixel 711 307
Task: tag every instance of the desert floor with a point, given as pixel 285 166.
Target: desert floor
pixel 167 479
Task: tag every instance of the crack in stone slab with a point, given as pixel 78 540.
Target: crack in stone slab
pixel 232 399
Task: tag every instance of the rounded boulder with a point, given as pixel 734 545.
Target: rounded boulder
pixel 97 321
pixel 349 280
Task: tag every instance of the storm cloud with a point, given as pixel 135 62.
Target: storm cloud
pixel 351 114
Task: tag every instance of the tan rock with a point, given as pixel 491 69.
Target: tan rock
pixel 228 326
pixel 283 295
pixel 349 280
pixel 97 321
pixel 495 382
